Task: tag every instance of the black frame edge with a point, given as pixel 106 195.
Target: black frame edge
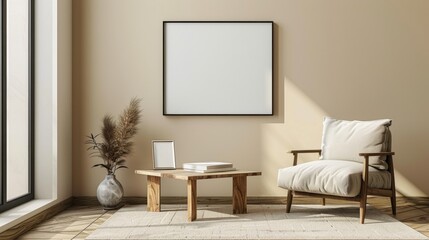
pixel 163 68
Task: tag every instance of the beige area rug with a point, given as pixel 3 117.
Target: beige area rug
pixel 261 222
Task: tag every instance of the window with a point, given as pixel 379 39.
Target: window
pixel 16 164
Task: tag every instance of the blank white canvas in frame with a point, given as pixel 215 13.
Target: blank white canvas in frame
pixel 218 68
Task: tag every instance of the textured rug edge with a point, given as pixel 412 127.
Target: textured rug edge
pixel 303 213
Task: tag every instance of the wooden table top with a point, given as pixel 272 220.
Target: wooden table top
pixel 189 175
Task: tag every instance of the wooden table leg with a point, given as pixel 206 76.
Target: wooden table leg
pixel 192 200
pixel 153 194
pixel 239 194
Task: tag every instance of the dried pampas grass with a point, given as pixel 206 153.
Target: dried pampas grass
pixel 117 143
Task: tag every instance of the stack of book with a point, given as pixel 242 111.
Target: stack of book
pixel 208 167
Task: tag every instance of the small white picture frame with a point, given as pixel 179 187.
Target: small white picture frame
pixel 163 154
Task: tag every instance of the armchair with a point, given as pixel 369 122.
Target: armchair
pixel 355 161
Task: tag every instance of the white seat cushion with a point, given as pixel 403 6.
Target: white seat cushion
pixel 331 177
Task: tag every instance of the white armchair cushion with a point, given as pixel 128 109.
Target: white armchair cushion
pixel 332 177
pixel 344 140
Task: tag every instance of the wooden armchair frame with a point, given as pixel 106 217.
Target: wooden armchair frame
pixel 365 190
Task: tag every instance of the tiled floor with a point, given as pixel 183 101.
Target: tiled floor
pixel 78 222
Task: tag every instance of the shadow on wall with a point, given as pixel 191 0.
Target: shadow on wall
pixel 352 97
pixel 383 87
pixel 359 68
pixel 303 129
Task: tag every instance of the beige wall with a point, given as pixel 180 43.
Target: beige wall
pixel 345 59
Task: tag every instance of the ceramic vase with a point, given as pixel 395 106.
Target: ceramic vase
pixel 110 192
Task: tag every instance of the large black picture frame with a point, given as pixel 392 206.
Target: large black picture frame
pixel 218 68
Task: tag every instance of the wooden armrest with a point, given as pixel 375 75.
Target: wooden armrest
pixel 305 151
pixel 377 154
pixel 366 164
pixel 295 154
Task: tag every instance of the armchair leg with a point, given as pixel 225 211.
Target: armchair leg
pixel 289 201
pixel 362 210
pixel 363 191
pixel 393 203
pixel 393 197
pixel 323 201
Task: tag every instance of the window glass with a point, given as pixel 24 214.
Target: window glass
pixel 17 98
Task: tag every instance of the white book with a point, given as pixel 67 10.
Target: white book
pixel 211 170
pixel 206 165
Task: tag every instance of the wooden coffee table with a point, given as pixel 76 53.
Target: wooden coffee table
pixel 239 187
